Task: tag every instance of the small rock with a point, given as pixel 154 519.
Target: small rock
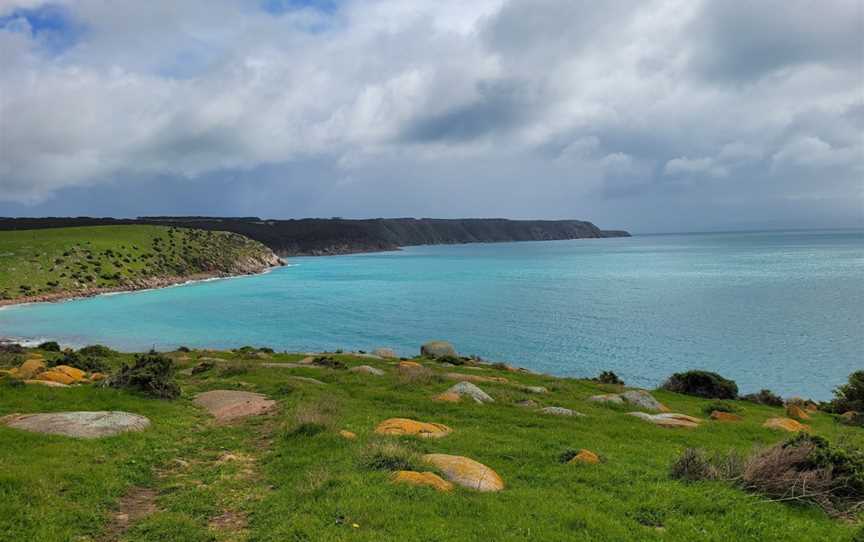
pixel 467 389
pixel 344 433
pixel 429 479
pixel 611 398
pixel 796 412
pixel 785 424
pixel 307 380
pixel 585 456
pixel 668 419
pixel 367 370
pixel 448 397
pixel 438 349
pixel 560 411
pixel 404 426
pixel 87 425
pixel 466 472
pixel 96 377
pixel 643 399
pixel 721 416
pixel 386 353
pixel 527 403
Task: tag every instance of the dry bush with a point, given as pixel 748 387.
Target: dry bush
pixel 316 478
pixel 417 377
pixel 234 368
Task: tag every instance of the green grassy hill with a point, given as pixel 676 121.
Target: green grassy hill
pixel 69 260
pixel 290 476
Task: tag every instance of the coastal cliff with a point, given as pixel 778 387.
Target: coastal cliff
pixel 63 263
pixel 315 236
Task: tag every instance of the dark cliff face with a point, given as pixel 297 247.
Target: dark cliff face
pixel 315 236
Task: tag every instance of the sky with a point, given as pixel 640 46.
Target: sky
pixel 648 115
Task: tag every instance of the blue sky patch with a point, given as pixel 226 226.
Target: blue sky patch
pixel 52 25
pixel 281 6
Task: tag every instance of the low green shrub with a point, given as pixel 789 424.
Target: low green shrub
pixel 702 384
pixel 849 396
pixel 49 346
pixel 390 455
pixel 720 406
pixel 452 360
pixel 88 364
pixel 608 377
pixel 97 350
pixel 764 397
pixel 151 374
pixel 331 363
pixel 311 419
pixel 235 368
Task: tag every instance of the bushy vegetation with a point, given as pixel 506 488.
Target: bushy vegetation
pixel 151 374
pixel 390 455
pixel 764 397
pixel 311 419
pixel 720 406
pixel 78 360
pixel 49 346
pixel 805 469
pixel 97 351
pixel 608 377
pixel 702 384
pixel 329 362
pixel 849 396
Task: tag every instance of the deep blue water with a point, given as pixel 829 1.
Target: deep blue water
pixel 777 310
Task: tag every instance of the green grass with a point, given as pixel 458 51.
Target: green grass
pixel 293 485
pixel 39 262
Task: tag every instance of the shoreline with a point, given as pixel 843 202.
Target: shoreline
pixel 141 285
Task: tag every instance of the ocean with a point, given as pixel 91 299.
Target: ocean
pixel 778 310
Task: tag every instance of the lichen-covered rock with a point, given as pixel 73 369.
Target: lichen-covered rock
pixel 429 479
pixel 96 377
pixel 228 405
pixel 560 411
pixel 366 370
pixel 409 366
pixel 55 376
pixel 405 426
pixel 466 472
pixel 643 399
pixel 76 374
pixel 526 403
pixel 585 456
pixel 671 420
pixel 448 397
pixel 348 435
pixel 721 416
pixel 46 383
pixel 467 389
pixel 534 389
pixel 459 377
pixel 610 398
pixel 785 424
pixel 438 349
pixel 87 425
pixel 796 412
pixel 30 368
pixel 384 353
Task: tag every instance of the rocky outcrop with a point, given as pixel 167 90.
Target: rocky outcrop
pixel 785 424
pixel 466 389
pixel 438 349
pixel 466 472
pixel 404 426
pixel 229 405
pixel 668 419
pixel 87 425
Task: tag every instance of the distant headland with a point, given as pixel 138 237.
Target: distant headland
pixel 320 236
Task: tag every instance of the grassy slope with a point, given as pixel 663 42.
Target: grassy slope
pixel 312 487
pixel 38 262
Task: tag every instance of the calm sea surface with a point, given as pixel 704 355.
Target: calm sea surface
pixel 777 310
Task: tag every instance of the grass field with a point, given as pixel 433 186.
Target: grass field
pixel 40 262
pixel 258 480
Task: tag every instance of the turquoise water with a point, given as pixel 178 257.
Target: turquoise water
pixel 777 310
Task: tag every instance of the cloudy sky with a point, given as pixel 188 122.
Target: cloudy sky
pixel 667 115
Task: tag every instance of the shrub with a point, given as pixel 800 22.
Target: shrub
pixel 49 346
pixel 452 360
pixel 764 397
pixel 151 374
pixel 805 469
pixel 608 377
pixel 11 348
pixel 720 406
pixel 327 361
pixel 184 349
pixel 97 350
pixel 310 419
pixel 417 377
pixel 234 369
pixel 203 367
pixel 390 455
pixel 702 384
pixel 849 396
pixel 85 363
pixel 855 419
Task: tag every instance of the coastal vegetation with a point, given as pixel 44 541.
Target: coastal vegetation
pixel 55 263
pixel 350 446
